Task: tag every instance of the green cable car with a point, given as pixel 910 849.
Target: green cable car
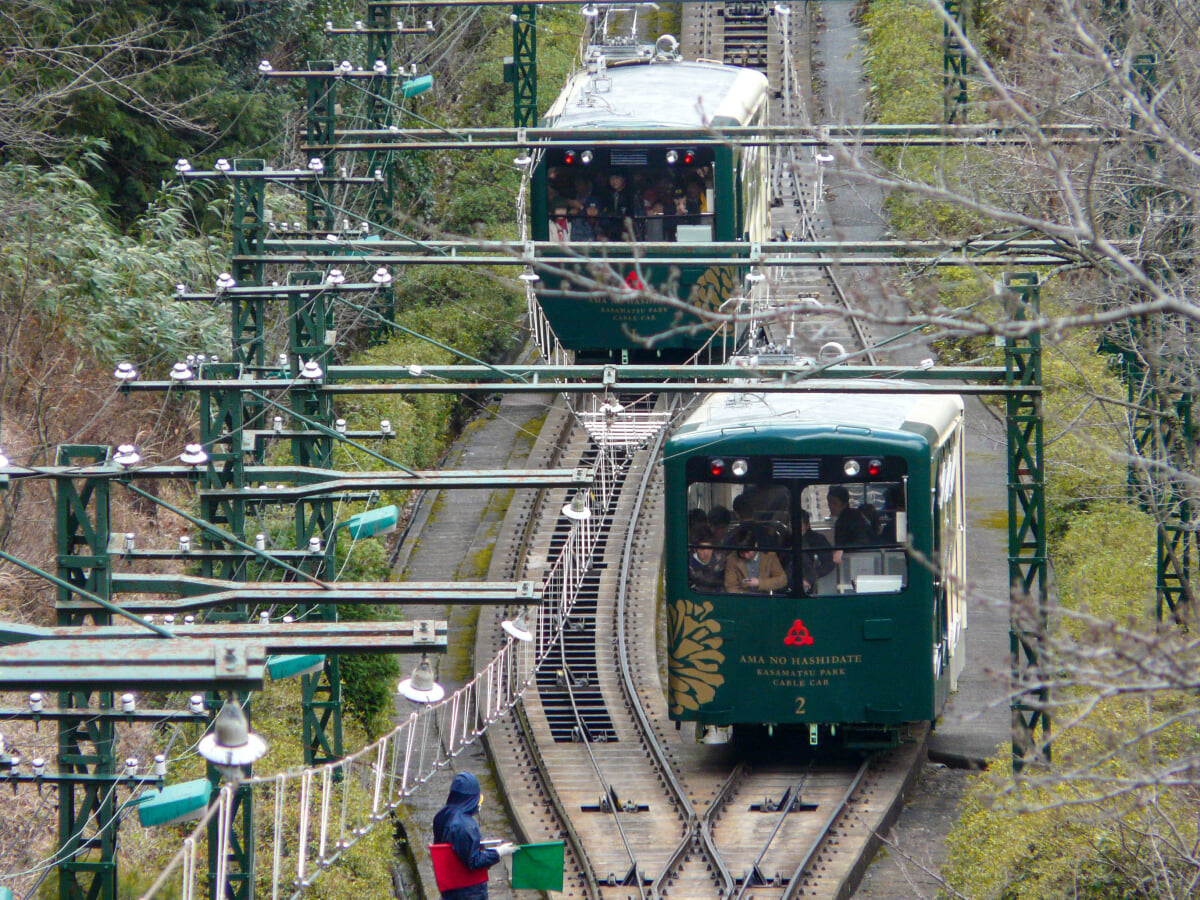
pixel 632 204
pixel 815 562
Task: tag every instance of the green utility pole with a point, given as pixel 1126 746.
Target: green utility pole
pixel 311 336
pixel 1160 402
pixel 524 65
pixel 223 420
pixel 1162 436
pixel 87 807
pixel 1027 562
pixel 954 64
pixel 380 103
pixel 249 229
pixel 320 123
pixel 222 414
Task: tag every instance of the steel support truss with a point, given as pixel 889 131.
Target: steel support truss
pixel 310 324
pixel 1027 557
pixel 524 64
pixel 954 64
pixel 1161 435
pixel 87 807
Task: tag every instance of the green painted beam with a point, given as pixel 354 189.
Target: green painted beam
pixel 822 136
pixel 81 779
pixel 203 593
pixel 278 637
pixel 798 385
pixel 601 374
pixel 757 387
pixel 304 482
pixel 770 251
pixel 22 713
pixel 680 255
pixel 219 664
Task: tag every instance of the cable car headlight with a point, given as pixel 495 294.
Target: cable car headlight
pixel 569 157
pixel 875 468
pixel 586 157
pixel 717 468
pixel 740 467
pixel 672 157
pixel 689 157
pixel 851 467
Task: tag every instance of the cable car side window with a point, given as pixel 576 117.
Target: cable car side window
pixel 740 537
pixel 853 537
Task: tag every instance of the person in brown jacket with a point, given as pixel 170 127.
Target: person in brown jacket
pixel 749 570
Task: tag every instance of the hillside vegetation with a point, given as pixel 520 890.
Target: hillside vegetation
pixel 97 102
pixel 1115 812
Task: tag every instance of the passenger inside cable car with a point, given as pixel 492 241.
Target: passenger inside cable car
pixel 644 203
pixel 827 539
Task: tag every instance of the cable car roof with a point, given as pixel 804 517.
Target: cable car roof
pixel 920 413
pixel 659 95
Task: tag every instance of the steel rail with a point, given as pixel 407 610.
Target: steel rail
pixel 791 797
pixel 739 772
pixel 793 887
pixel 609 793
pixel 580 726
pixel 523 725
pixel 692 830
pixel 808 221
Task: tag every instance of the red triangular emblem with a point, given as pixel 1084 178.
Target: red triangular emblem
pixel 798 635
pixel 633 281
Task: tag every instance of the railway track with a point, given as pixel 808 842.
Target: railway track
pixel 645 810
pixel 787 305
pixel 593 758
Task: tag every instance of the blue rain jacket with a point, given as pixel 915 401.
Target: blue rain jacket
pixel 455 824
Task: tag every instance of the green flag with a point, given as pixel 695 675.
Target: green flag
pixel 538 867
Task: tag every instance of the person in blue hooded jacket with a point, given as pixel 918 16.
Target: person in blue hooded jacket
pixel 455 824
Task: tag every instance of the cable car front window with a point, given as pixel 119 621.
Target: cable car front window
pixel 854 537
pixel 641 196
pixel 739 538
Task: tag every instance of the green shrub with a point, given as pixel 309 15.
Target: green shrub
pixel 90 285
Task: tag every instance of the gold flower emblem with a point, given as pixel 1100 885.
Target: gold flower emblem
pixel 713 288
pixel 694 673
